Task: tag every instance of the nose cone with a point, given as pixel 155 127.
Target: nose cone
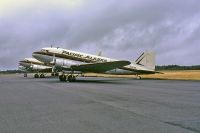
pixel 24 64
pixel 20 63
pixel 36 55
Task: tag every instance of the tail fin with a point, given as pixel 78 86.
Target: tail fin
pixel 147 59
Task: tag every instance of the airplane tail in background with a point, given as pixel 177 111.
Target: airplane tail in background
pixel 147 59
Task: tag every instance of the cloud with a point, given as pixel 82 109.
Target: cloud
pixel 171 28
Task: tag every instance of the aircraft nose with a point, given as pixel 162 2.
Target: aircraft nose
pixel 20 63
pixel 41 57
pixel 35 55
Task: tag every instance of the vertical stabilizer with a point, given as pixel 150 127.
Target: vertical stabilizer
pixel 147 59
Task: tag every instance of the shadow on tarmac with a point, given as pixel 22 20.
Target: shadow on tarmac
pixel 85 80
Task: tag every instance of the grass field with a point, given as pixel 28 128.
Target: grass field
pixel 179 75
pixel 172 75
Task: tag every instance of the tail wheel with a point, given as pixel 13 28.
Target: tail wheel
pixel 138 77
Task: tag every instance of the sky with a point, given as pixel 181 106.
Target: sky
pixel 119 29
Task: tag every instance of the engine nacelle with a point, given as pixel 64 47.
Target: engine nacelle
pixel 63 62
pixel 37 67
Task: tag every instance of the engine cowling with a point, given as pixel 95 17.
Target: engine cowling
pixel 62 62
pixel 37 67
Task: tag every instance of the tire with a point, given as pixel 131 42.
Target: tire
pixel 74 78
pixel 62 78
pixel 71 78
pixel 139 77
pixel 42 76
pixel 36 76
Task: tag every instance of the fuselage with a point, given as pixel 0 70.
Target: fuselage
pixel 32 64
pixel 65 56
pixel 27 62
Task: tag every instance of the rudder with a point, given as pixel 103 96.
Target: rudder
pixel 147 59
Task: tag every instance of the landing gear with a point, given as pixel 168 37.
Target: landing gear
pixel 71 78
pixel 138 77
pixel 54 74
pixel 39 75
pixel 25 74
pixel 36 75
pixel 42 75
pixel 62 78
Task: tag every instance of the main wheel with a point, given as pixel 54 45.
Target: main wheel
pixel 71 78
pixel 62 77
pixel 36 75
pixel 42 75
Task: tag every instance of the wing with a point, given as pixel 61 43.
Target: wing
pixel 99 67
pixel 46 70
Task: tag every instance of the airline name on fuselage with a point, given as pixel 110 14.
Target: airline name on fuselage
pixel 84 57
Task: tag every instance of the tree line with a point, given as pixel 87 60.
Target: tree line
pixel 158 68
pixel 177 67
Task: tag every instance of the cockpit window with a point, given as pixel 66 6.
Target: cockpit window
pixel 44 50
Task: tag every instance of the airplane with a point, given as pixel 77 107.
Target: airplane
pixel 34 65
pixel 72 62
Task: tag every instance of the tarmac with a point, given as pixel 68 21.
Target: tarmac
pixel 98 105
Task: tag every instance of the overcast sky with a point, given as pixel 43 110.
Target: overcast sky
pixel 120 29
